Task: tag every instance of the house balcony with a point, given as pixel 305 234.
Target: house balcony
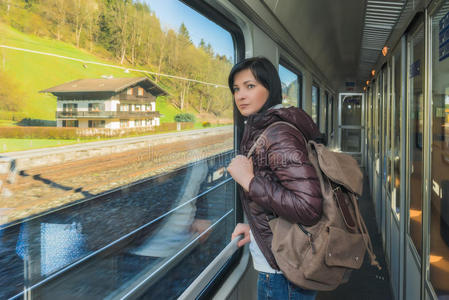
pixel 137 99
pixel 106 114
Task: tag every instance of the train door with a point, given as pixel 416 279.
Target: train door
pixel 350 124
pixel 383 152
pixel 395 175
pixel 415 130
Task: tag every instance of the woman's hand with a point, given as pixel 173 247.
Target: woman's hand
pixel 199 226
pixel 241 228
pixel 241 169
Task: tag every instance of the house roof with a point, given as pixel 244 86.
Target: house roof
pixel 113 85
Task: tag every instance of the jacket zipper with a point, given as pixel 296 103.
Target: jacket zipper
pixel 309 235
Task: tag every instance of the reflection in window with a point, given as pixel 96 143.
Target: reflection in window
pixel 439 223
pixel 290 87
pixel 316 104
pixel 416 86
pixel 389 131
pixel 397 130
pixel 384 119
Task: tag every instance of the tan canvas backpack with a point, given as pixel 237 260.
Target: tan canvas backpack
pixel 320 257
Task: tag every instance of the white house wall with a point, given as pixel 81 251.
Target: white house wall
pixel 113 124
pixel 111 105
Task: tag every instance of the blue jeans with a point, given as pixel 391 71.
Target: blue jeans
pixel 277 287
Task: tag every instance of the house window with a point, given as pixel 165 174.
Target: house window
pixel 70 123
pixel 137 108
pixel 140 91
pixel 129 91
pixel 96 107
pixel 124 123
pixel 97 123
pixel 70 107
pixel 124 107
pixel 138 123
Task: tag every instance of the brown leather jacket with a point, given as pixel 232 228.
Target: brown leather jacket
pixel 285 183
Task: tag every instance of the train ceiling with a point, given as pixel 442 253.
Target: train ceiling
pixel 343 38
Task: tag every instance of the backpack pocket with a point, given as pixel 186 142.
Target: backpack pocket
pixel 289 243
pixel 344 249
pixel 337 252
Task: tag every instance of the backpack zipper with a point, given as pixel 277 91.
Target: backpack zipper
pixel 309 235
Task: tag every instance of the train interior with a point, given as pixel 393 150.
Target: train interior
pixel 151 216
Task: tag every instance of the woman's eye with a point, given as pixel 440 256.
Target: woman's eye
pixel 236 89
pixel 250 86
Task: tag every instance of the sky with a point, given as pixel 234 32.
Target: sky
pixel 286 75
pixel 172 13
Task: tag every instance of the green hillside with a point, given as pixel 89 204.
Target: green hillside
pixel 30 73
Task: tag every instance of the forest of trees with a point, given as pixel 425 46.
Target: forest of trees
pixel 129 33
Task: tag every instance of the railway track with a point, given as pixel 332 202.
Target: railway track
pixel 40 189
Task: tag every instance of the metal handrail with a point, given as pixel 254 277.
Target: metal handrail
pixel 152 276
pixel 207 275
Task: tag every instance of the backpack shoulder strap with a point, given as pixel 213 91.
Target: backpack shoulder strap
pixel 259 140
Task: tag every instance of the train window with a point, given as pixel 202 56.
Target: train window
pixel 291 87
pixel 397 96
pixel 142 203
pixel 332 114
pixel 416 88
pixel 351 120
pixel 439 223
pixel 316 104
pixel 376 119
pixel 326 112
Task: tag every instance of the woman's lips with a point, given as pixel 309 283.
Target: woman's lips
pixel 242 106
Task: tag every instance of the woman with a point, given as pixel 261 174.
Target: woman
pixel 278 179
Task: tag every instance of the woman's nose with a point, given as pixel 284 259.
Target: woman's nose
pixel 239 95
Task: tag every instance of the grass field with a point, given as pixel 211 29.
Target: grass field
pixel 7 123
pixel 10 145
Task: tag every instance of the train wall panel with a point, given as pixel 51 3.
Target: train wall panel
pixel 394 265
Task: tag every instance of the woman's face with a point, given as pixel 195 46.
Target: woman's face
pixel 249 94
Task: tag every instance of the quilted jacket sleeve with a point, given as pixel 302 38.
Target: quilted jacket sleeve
pixel 296 195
